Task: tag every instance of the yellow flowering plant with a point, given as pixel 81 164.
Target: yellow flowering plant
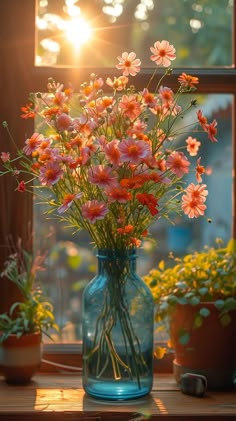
pixel 107 158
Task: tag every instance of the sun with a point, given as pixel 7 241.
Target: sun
pixel 78 32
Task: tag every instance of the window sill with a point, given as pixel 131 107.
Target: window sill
pixel 61 397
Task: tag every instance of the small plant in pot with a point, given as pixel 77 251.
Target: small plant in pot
pixel 196 303
pixel 21 329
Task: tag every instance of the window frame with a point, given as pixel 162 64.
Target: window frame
pixel 19 77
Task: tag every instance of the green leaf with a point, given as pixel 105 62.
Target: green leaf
pixel 182 300
pixel 194 301
pixel 184 338
pixel 203 291
pixel 219 304
pixel 172 299
pixel 181 285
pixel 198 321
pixel 204 312
pixel 230 303
pixel 225 319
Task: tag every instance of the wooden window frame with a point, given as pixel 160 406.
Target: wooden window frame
pixel 19 77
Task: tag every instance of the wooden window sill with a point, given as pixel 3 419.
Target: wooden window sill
pixel 61 397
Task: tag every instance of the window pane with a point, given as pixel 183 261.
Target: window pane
pixel 71 261
pixel 92 33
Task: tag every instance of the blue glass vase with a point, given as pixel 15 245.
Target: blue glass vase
pixel 117 330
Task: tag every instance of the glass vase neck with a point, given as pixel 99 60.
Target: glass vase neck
pixel 116 254
pixel 117 259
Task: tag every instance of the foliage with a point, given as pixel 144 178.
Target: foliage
pixel 111 163
pixel 198 277
pixel 34 313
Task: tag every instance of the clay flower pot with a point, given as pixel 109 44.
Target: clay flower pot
pixel 20 358
pixel 211 349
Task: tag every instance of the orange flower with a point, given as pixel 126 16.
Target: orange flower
pixel 202 119
pixel 188 81
pixel 118 83
pixel 28 111
pixel 192 145
pixel 126 230
pixel 199 171
pixel 212 130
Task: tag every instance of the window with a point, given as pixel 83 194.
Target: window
pixel 92 34
pixel 215 68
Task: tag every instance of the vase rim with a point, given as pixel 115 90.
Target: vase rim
pixel 116 253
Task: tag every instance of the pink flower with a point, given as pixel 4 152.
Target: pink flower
pixel 50 173
pixel 102 176
pixel 166 95
pixel 60 97
pixel 33 143
pixel 192 207
pixel 67 201
pixel 134 151
pixel 197 192
pixel 192 145
pixel 137 127
pixel 163 53
pixel 94 210
pixel 112 152
pixel 63 122
pixel 5 157
pixel 148 98
pixel 130 106
pixel 178 164
pixel 84 124
pixel 193 201
pixel 129 64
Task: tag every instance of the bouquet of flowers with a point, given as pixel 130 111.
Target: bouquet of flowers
pixel 108 156
pixel 108 159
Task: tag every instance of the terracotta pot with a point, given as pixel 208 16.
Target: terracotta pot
pixel 211 350
pixel 20 358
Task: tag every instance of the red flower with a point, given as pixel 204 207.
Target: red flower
pixel 21 186
pixel 148 200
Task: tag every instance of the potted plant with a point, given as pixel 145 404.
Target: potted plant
pixel 21 329
pixel 196 302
